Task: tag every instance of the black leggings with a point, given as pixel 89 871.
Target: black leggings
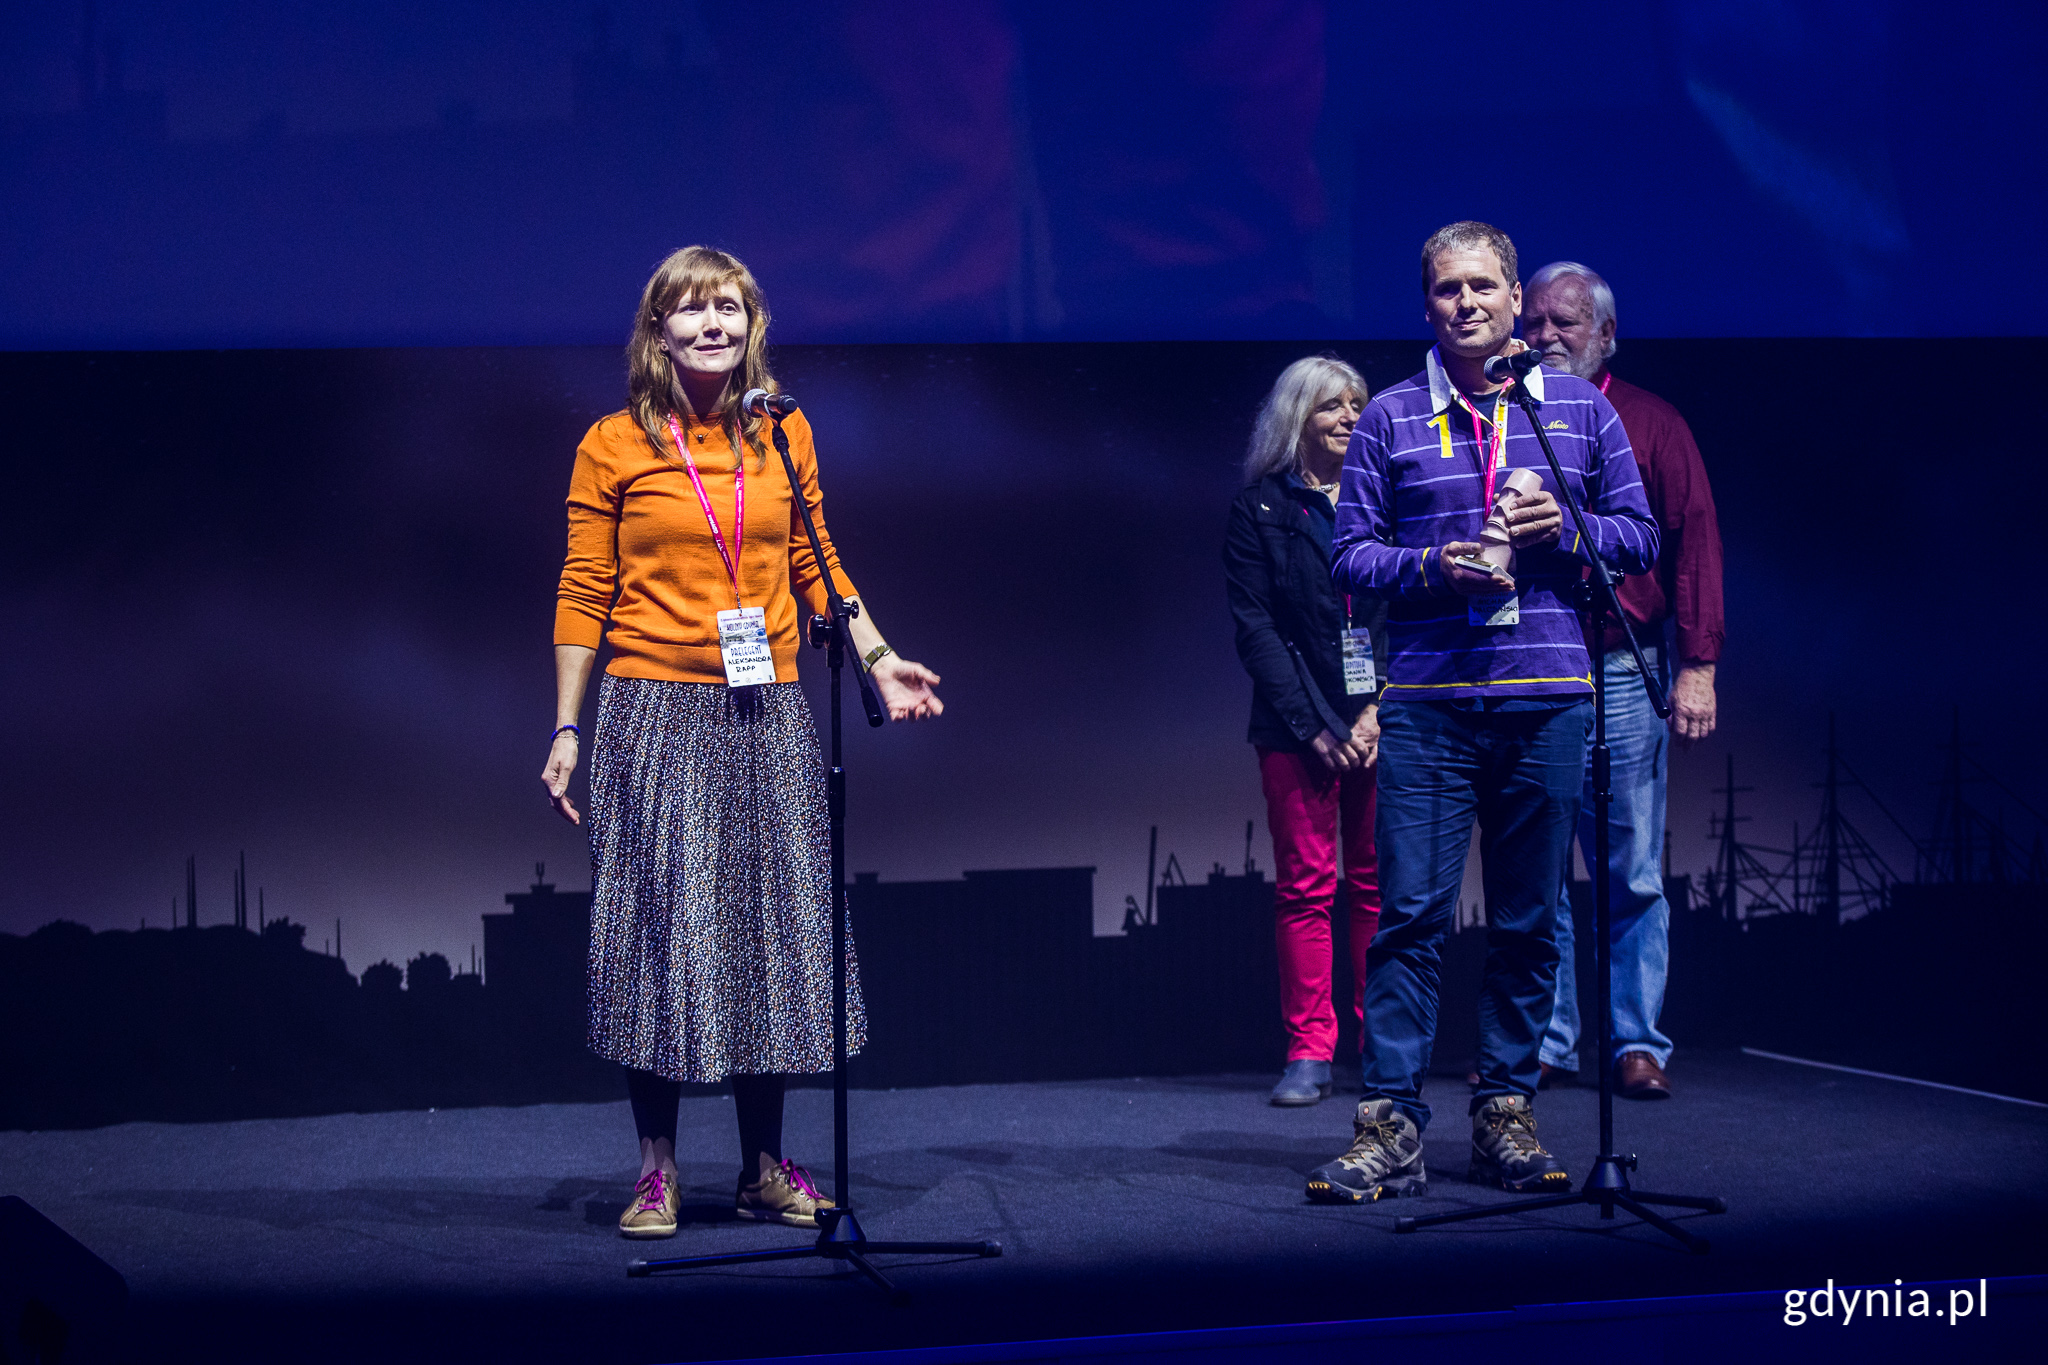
pixel 758 1100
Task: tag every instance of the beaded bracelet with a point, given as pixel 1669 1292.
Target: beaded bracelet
pixel 570 728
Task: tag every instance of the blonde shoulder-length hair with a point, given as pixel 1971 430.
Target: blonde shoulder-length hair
pixel 1301 388
pixel 653 394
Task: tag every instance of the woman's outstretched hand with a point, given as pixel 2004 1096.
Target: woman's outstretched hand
pixel 906 689
pixel 555 777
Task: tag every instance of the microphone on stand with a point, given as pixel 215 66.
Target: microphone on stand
pixel 1501 368
pixel 762 403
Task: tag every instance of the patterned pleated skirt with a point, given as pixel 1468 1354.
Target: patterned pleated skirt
pixel 711 913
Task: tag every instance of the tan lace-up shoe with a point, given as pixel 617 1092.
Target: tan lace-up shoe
pixel 655 1204
pixel 785 1195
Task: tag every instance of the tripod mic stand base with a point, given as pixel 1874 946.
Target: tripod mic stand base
pixel 1607 1189
pixel 840 1238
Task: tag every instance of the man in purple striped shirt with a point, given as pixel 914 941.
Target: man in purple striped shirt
pixel 1486 707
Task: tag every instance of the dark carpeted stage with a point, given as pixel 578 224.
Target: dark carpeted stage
pixel 1123 1207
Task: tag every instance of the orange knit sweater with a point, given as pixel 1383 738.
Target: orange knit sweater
pixel 642 562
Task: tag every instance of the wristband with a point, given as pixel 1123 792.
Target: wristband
pixel 570 728
pixel 875 656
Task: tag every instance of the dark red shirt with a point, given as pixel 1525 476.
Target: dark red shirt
pixel 1686 584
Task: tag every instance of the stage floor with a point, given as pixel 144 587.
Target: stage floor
pixel 1122 1206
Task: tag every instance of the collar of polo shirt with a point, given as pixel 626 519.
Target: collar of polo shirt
pixel 1443 393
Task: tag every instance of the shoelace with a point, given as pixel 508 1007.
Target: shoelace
pixel 1380 1134
pixel 800 1180
pixel 652 1182
pixel 1515 1128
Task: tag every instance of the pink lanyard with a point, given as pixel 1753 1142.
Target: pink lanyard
pixel 1605 380
pixel 739 507
pixel 1493 453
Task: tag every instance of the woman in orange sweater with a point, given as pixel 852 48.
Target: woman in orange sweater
pixel 711 913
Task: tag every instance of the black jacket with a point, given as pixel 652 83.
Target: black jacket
pixel 1276 568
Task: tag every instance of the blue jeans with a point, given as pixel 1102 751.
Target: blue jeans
pixel 1640 918
pixel 1441 767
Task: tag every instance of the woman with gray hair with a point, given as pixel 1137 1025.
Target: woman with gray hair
pixel 1315 659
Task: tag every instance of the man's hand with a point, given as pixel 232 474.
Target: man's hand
pixel 1335 751
pixel 1470 582
pixel 1365 735
pixel 1692 703
pixel 1535 520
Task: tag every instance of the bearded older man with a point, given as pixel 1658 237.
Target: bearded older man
pixel 1569 317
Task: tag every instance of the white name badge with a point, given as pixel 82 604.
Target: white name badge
pixel 1361 677
pixel 743 640
pixel 1494 609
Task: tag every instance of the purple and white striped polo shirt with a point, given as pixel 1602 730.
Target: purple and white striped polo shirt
pixel 1414 481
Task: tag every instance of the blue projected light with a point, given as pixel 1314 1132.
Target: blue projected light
pixel 375 173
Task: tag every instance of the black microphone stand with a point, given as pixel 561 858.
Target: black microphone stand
pixel 840 1237
pixel 1607 1185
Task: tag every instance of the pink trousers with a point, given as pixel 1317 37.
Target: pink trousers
pixel 1312 811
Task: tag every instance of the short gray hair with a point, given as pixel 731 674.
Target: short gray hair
pixel 1301 388
pixel 1603 297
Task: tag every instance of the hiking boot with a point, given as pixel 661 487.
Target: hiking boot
pixel 784 1195
pixel 1305 1081
pixel 1385 1160
pixel 1505 1151
pixel 654 1207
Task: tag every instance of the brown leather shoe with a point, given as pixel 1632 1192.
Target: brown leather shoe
pixel 1638 1077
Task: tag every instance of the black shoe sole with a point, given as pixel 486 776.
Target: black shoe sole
pixel 1323 1092
pixel 1484 1172
pixel 1400 1187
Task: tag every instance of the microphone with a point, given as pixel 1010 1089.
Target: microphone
pixel 1501 368
pixel 762 403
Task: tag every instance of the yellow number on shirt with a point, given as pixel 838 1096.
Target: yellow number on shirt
pixel 1442 423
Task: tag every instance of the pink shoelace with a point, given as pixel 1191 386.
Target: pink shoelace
pixel 800 1180
pixel 651 1183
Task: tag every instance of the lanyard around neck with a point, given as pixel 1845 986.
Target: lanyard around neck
pixel 1493 454
pixel 739 507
